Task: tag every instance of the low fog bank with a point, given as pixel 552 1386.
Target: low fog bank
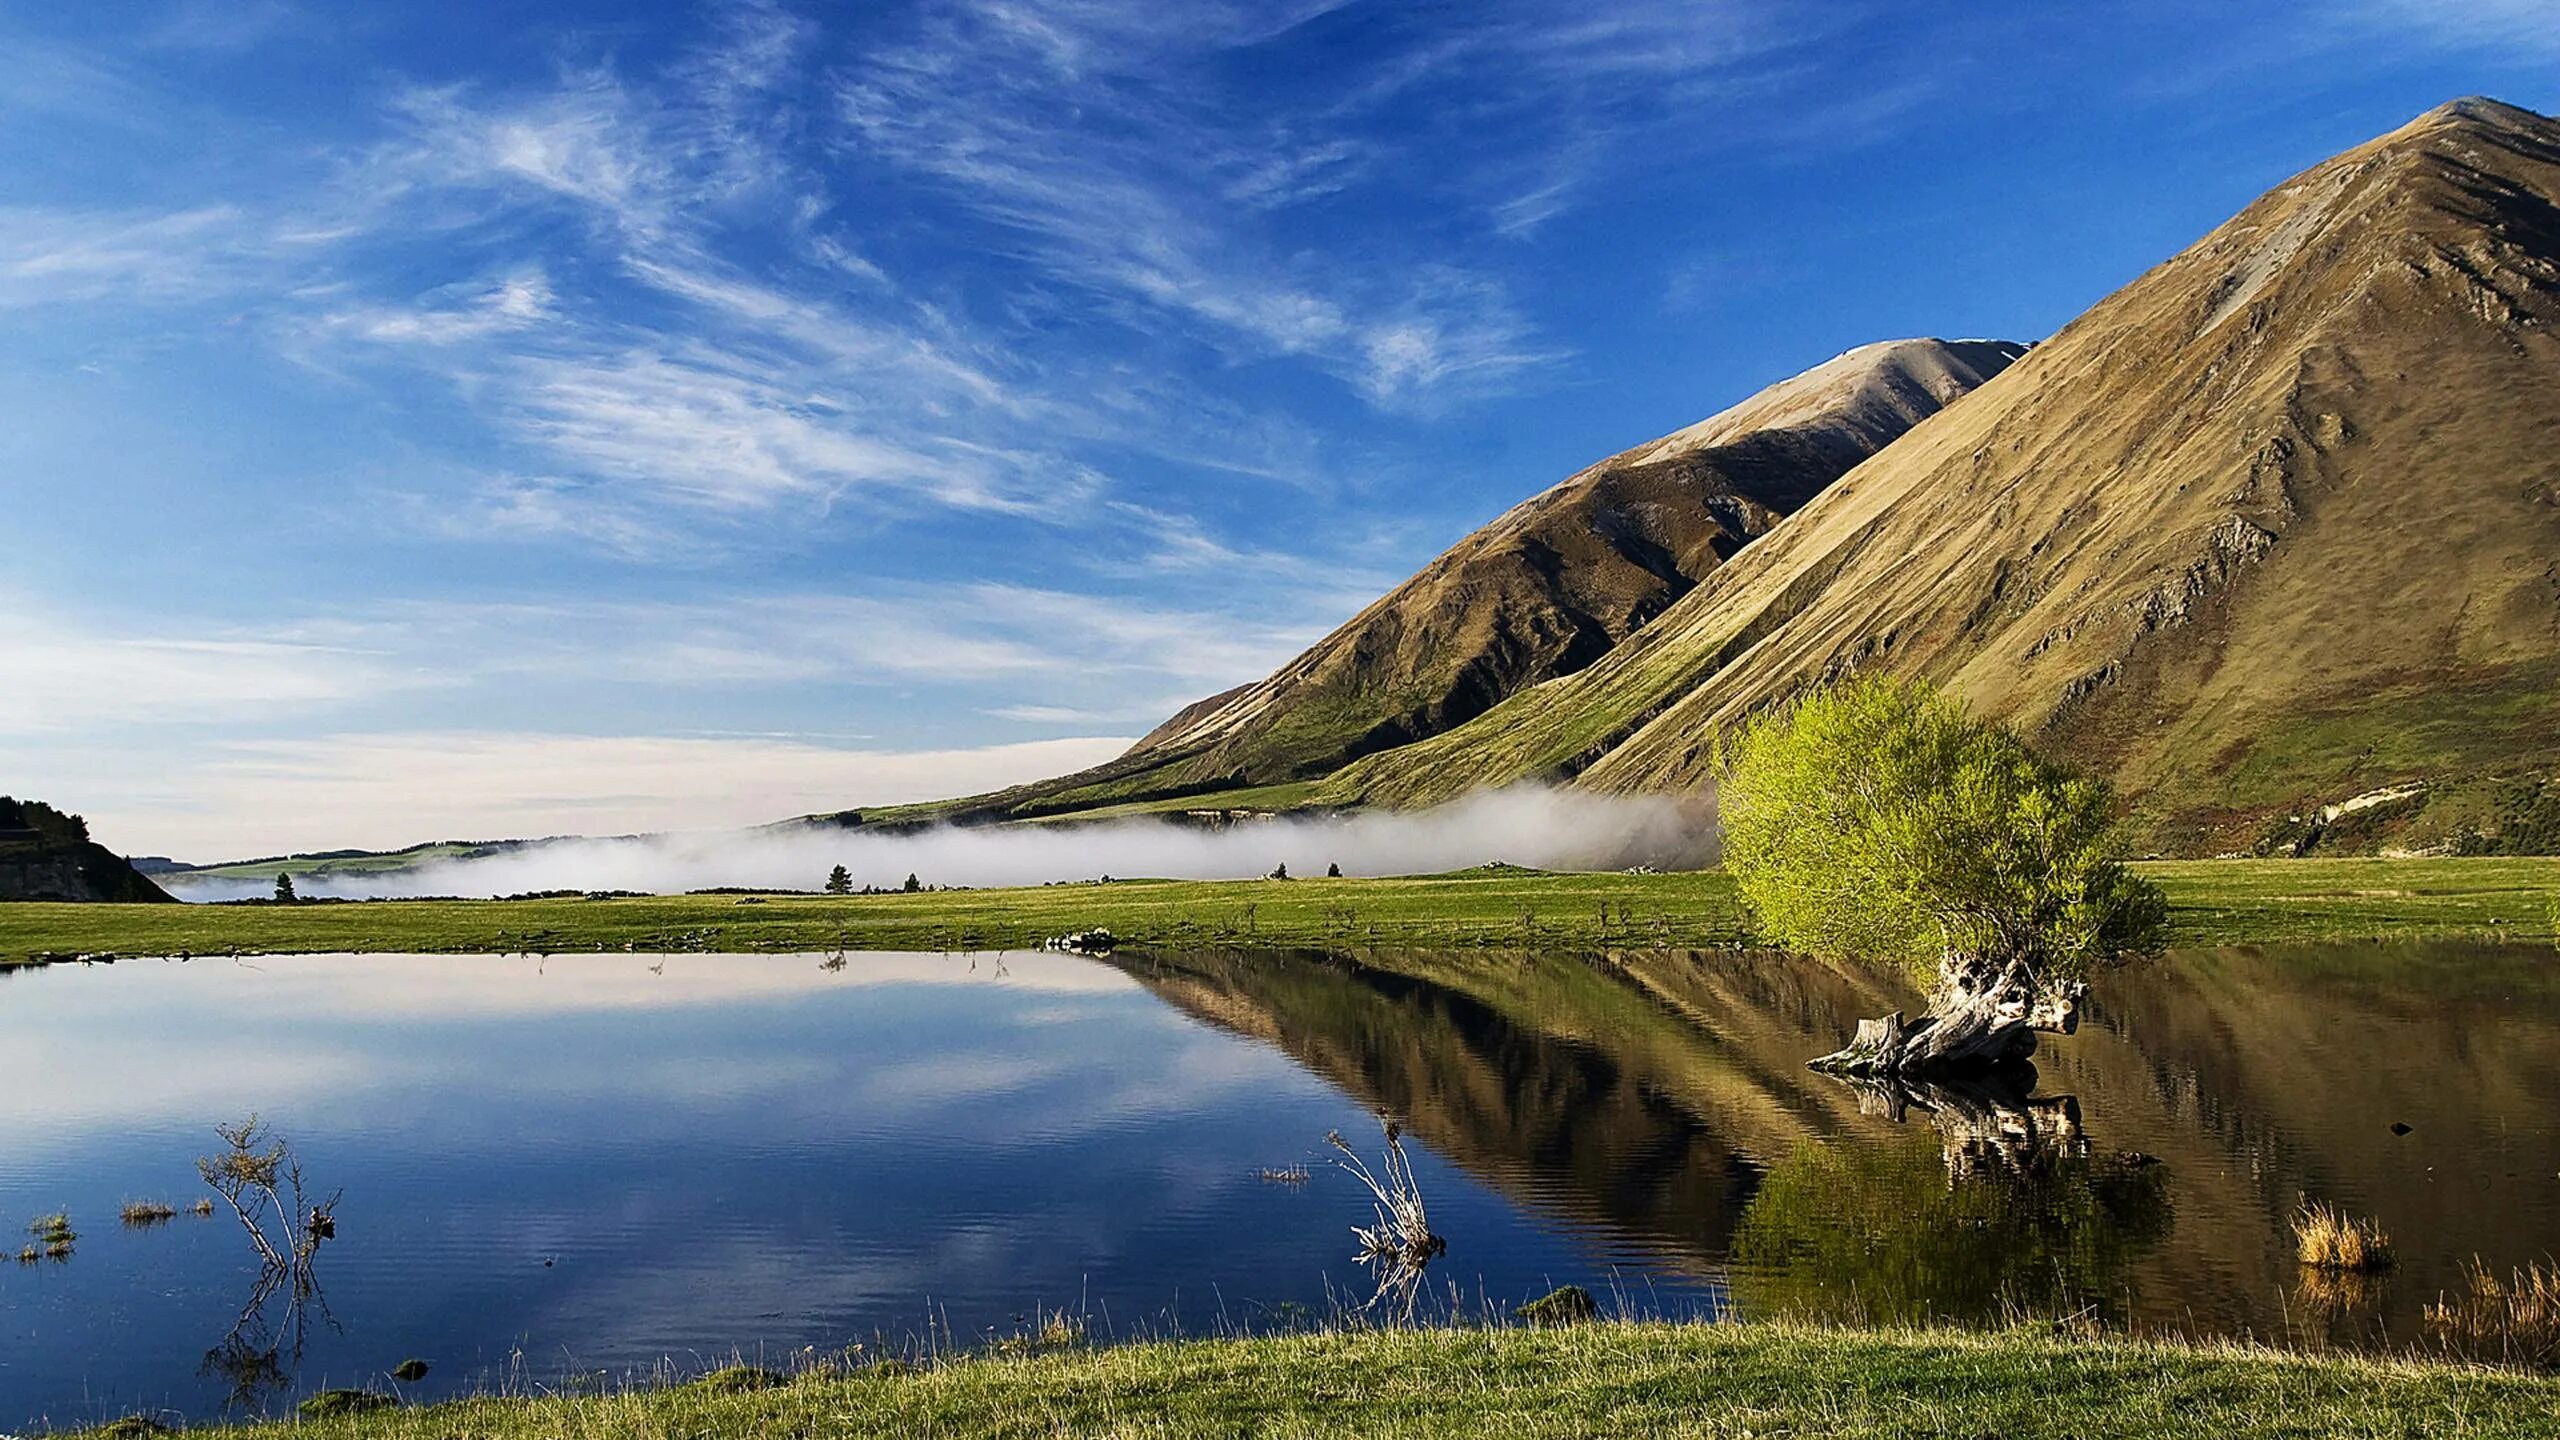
pixel 1545 829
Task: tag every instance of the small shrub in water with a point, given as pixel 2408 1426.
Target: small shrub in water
pixel 142 1214
pixel 329 1404
pixel 54 1236
pixel 2327 1238
pixel 1564 1305
pixel 2515 1317
pixel 1401 1246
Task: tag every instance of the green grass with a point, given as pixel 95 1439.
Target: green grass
pixel 1607 1379
pixel 2212 902
pixel 2233 902
pixel 1493 908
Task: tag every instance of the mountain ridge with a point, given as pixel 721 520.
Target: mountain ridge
pixel 1547 587
pixel 2161 545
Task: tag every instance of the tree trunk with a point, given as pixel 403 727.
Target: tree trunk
pixel 1983 1015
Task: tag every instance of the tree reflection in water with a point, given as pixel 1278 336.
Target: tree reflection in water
pixel 2012 1217
pixel 257 1176
pixel 258 1355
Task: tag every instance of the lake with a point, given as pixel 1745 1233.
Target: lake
pixel 585 1168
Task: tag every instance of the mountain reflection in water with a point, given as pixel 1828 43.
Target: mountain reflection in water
pixel 606 1163
pixel 2149 1180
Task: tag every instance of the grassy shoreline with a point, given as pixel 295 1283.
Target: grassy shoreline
pixel 2216 902
pixel 1648 1378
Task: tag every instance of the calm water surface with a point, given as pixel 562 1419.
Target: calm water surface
pixel 596 1165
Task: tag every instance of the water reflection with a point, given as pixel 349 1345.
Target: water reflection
pixel 691 1156
pixel 603 1163
pixel 2010 1216
pixel 1662 1098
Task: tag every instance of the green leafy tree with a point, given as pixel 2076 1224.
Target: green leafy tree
pixel 839 881
pixel 284 888
pixel 913 884
pixel 1874 820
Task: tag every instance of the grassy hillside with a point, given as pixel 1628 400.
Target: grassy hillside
pixel 2266 531
pixel 2212 903
pixel 1607 1379
pixel 346 862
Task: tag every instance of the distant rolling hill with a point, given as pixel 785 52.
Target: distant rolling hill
pixel 324 865
pixel 1546 589
pixel 2271 537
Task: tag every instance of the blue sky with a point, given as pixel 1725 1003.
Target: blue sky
pixel 426 421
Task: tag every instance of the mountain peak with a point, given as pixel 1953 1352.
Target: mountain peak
pixel 2484 110
pixel 2266 530
pixel 1888 385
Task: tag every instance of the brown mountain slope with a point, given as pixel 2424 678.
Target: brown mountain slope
pixel 1551 585
pixel 1543 590
pixel 2278 524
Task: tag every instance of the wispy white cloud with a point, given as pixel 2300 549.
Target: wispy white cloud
pixel 225 27
pixel 56 257
pixel 2464 24
pixel 1080 654
pixel 389 789
pixel 454 314
pixel 1065 124
pixel 84 694
pixel 64 676
pixel 44 76
pixel 581 141
pixel 1076 648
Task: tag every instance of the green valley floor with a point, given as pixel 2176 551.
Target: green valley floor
pixel 2213 902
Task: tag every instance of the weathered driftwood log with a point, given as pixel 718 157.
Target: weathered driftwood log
pixel 1982 1015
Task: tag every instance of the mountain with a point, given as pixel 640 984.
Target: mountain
pixel 2271 537
pixel 46 854
pixel 1544 590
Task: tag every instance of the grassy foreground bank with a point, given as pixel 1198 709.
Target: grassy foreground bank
pixel 1605 1379
pixel 2215 902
